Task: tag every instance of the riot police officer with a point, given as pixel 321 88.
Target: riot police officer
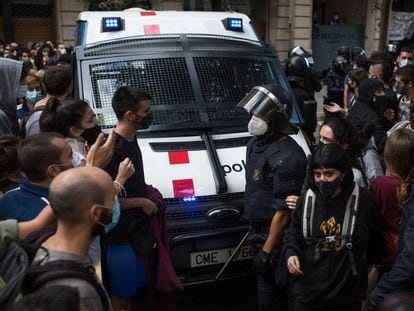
pixel 311 82
pixel 296 70
pixel 334 81
pixel 275 169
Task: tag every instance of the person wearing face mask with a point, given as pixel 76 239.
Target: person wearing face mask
pixel 95 211
pixel 405 57
pixel 57 82
pixel 298 74
pixel 404 86
pixel 371 96
pixel 351 90
pixel 381 68
pixel 69 118
pixel 334 81
pixel 132 240
pixel 335 20
pixel 326 244
pixel 275 169
pixel 34 90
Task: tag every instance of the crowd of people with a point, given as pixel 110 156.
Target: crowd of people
pixel 58 171
pixel 329 232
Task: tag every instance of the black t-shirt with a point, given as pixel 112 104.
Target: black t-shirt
pixel 134 186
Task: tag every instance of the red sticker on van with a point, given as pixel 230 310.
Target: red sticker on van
pixel 148 13
pixel 178 157
pixel 151 29
pixel 183 188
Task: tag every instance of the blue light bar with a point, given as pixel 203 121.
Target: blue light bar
pixel 234 24
pixel 191 199
pixel 112 24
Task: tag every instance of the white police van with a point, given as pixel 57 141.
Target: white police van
pixel 197 66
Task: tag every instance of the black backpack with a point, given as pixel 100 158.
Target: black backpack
pixel 19 277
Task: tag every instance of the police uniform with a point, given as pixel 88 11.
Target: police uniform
pixel 275 169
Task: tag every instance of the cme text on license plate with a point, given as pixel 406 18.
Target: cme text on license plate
pixel 217 256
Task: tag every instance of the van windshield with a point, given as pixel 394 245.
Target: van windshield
pixel 197 90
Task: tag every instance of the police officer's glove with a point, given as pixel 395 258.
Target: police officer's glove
pixel 262 263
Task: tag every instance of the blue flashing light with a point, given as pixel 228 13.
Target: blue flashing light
pixel 191 199
pixel 234 24
pixel 112 24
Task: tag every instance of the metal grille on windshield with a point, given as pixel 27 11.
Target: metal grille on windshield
pixel 166 80
pixel 223 83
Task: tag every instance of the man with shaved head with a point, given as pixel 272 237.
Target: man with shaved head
pixel 84 201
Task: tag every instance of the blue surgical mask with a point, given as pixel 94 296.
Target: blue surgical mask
pixel 116 214
pixel 34 96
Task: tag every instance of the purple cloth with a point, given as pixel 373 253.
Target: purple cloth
pixel 166 279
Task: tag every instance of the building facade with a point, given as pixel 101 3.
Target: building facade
pixel 283 23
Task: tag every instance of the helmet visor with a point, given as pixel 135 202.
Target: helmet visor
pixel 261 102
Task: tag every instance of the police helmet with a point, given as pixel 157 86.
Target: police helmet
pixel 339 63
pixel 270 102
pixel 358 51
pixel 300 51
pixel 296 68
pixel 343 51
pixel 391 49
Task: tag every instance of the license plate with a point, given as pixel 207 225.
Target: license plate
pixel 218 256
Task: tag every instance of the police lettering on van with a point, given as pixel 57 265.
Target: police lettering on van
pixel 196 71
pixel 236 167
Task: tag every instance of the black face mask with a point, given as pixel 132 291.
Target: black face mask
pixel 379 102
pixel 328 188
pixel 145 122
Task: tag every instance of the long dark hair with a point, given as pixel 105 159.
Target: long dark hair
pixel 399 158
pixel 59 116
pixel 39 56
pixel 346 134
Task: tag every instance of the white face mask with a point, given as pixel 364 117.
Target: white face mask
pixel 405 62
pixel 257 126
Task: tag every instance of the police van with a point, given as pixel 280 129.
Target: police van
pixel 197 66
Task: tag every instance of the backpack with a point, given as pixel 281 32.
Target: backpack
pixel 26 119
pixel 348 225
pixel 19 277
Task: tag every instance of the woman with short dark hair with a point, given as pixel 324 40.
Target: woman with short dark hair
pixel 327 240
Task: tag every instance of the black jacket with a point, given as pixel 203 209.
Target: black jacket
pixel 275 168
pixel 364 111
pixel 328 279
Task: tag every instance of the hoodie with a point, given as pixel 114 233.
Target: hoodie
pixel 10 71
pixel 328 280
pixel 364 111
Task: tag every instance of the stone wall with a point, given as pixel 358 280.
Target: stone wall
pixel 290 25
pixel 67 12
pixel 372 29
